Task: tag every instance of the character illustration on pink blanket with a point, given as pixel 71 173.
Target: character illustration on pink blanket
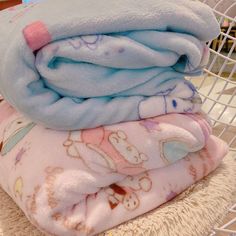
pixel 109 150
pixel 125 193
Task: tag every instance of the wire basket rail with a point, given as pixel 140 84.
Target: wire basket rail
pixel 218 84
pixel 217 88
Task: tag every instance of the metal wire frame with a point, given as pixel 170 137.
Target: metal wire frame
pixel 223 228
pixel 219 82
pixel 223 122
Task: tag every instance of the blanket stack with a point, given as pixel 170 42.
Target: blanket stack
pixel 97 122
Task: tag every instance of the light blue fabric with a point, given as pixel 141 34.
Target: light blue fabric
pixel 106 61
pixel 174 150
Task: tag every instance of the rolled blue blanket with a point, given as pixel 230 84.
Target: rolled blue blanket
pixel 91 63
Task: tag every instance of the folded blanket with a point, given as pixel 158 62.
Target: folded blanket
pixel 84 182
pixel 105 62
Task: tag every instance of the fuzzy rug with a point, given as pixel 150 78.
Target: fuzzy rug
pixel 193 213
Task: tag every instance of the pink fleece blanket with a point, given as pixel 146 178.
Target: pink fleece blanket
pixel 84 182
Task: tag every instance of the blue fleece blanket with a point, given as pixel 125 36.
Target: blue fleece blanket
pixel 80 64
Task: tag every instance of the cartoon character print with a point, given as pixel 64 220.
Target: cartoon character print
pixel 174 148
pixel 191 168
pixel 19 156
pixel 89 41
pixel 18 187
pixel 14 133
pixel 206 165
pixel 181 97
pixel 171 148
pixel 113 149
pixel 70 223
pixel 31 204
pixel 207 161
pixel 65 217
pixel 126 192
pixel 51 175
pixel 32 208
pixel 130 153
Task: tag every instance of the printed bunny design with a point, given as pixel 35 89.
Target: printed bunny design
pixel 95 161
pixel 128 151
pixel 140 182
pixel 112 147
pixel 125 193
pixel 186 97
pixel 118 195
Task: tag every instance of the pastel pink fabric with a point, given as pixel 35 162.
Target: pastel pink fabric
pixel 37 35
pixel 84 182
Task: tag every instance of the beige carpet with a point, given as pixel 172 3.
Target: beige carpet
pixel 193 213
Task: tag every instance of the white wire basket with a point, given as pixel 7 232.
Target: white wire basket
pixel 218 85
pixel 218 89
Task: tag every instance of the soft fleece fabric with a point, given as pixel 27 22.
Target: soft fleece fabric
pixel 84 182
pixel 105 62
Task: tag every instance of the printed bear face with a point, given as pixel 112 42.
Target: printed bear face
pixel 118 195
pixel 128 151
pixel 125 193
pixel 131 201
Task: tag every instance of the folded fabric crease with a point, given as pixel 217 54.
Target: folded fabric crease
pixel 105 64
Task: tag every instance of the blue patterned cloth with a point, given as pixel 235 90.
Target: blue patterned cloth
pixel 91 63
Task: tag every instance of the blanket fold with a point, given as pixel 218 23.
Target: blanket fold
pixel 108 77
pixel 125 61
pixel 84 182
